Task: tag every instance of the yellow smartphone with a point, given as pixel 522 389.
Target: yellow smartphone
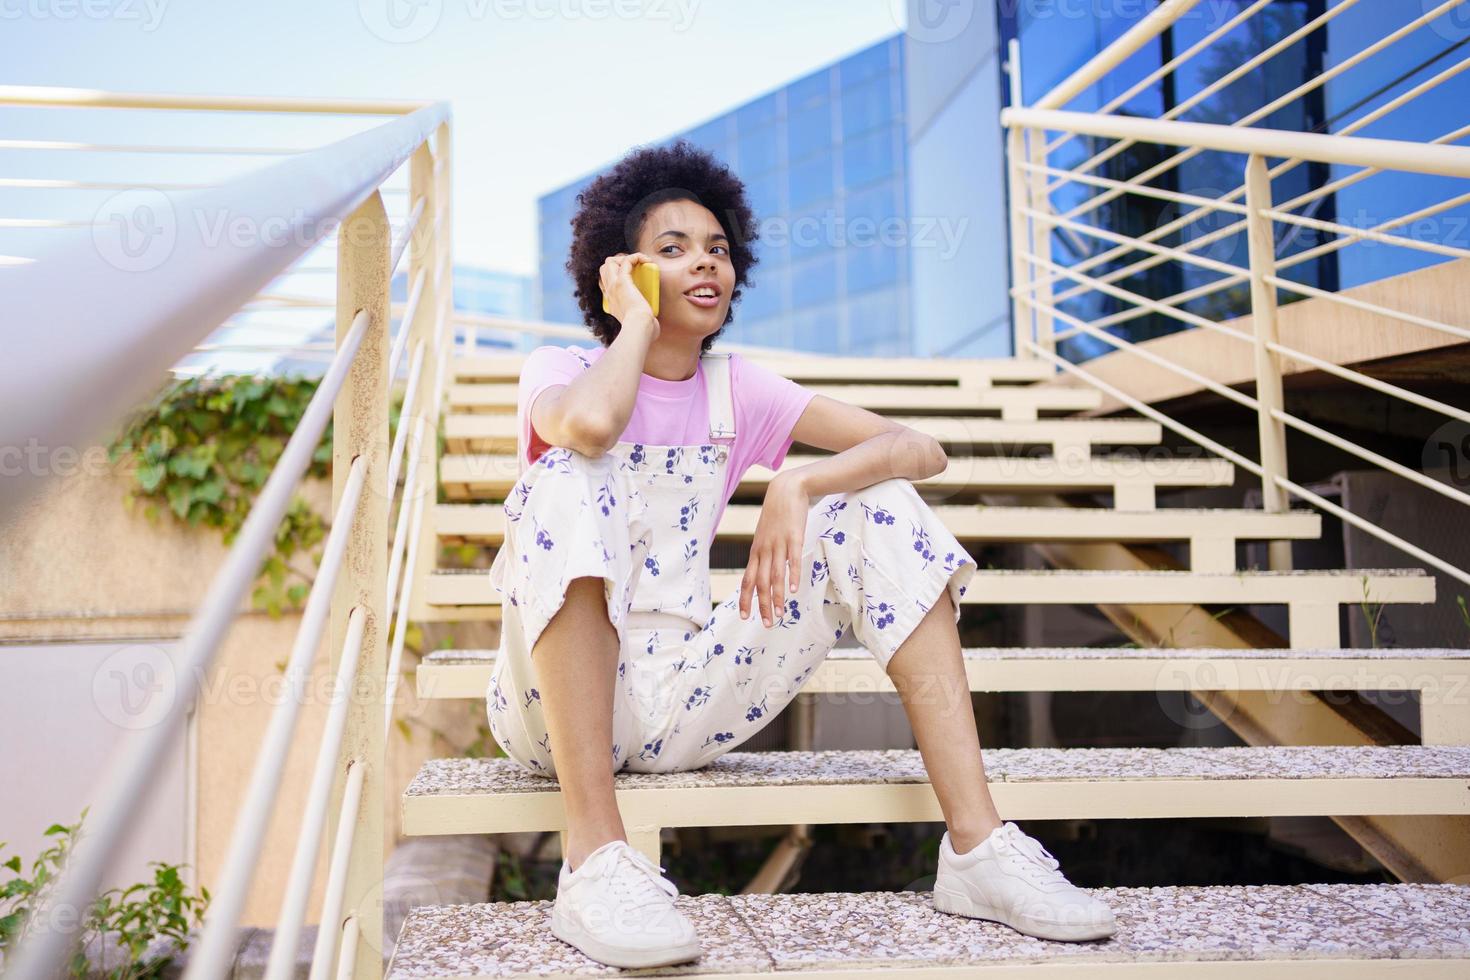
pixel 645 277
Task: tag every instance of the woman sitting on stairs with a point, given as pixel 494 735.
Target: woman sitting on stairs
pixel 610 657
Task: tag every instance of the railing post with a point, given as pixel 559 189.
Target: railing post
pixel 360 427
pixel 438 258
pixel 1021 312
pixel 1262 246
pixel 1040 202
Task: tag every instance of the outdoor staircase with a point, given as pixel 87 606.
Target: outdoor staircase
pixel 1007 432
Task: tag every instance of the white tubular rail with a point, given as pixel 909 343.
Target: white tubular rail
pixel 282 963
pixel 329 931
pixel 217 945
pixel 1034 221
pixel 76 378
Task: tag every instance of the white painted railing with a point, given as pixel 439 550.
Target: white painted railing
pixel 1039 299
pixel 90 353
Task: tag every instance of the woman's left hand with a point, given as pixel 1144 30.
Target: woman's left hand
pixel 777 543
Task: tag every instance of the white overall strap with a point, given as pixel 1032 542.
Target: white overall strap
pixel 721 404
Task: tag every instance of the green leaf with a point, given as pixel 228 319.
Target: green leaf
pixel 150 476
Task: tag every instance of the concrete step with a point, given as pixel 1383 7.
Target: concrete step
pixel 1010 401
pixel 853 671
pixel 1313 598
pixel 964 372
pixel 1341 931
pixel 1212 534
pixel 1134 481
pixel 496 433
pixel 498 795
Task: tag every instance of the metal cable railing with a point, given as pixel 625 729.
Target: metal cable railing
pixel 138 333
pixel 1039 302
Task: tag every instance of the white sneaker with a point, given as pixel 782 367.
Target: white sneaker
pixel 1011 879
pixel 618 909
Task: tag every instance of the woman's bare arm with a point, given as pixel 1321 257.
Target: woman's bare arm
pixel 590 412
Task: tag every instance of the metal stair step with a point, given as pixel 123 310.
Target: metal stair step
pixel 1012 401
pixel 498 795
pixel 852 670
pixel 487 432
pixel 484 523
pixel 1345 931
pixel 1312 597
pixel 492 475
pixel 805 368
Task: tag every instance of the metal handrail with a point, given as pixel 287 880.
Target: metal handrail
pixel 1033 221
pixel 160 318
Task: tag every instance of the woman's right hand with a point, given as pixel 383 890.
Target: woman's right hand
pixel 624 300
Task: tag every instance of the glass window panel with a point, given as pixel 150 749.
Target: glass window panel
pixel 812 88
pixel 760 149
pixel 875 203
pixel 815 281
pixel 809 130
pixel 875 322
pixel 869 158
pixel 867 106
pixel 877 60
pixel 812 181
pixel 873 263
pixel 765 294
pixel 765 192
pixel 762 112
pixel 812 231
pixel 815 330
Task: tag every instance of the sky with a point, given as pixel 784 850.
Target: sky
pixel 542 91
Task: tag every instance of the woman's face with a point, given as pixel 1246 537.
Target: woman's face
pixel 693 256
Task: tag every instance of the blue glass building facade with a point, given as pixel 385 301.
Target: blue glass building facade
pixel 824 160
pixel 880 181
pixel 1053 45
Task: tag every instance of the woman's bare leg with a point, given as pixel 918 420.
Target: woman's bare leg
pixel 928 671
pixel 576 659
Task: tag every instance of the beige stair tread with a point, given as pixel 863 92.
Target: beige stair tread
pixel 494 474
pixel 852 670
pixel 501 397
pixel 1086 586
pixel 485 523
pixel 500 430
pixel 466 776
pixel 1350 929
pixel 805 368
pixel 1064 654
pixel 498 795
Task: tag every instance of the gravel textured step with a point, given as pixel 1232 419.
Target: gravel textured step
pixel 465 776
pixel 487 657
pixel 1348 930
pixel 497 795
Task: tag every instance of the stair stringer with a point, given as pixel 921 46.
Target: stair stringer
pixel 1414 848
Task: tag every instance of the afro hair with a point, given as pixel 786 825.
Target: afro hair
pixel 612 210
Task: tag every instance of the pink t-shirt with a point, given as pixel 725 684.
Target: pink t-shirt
pixel 676 413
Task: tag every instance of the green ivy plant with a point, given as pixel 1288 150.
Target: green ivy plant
pixel 135 917
pixel 202 448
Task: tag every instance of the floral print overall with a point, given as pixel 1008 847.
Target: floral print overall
pixel 692 684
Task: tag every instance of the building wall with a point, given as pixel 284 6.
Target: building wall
pixel 96 598
pixel 957 218
pixel 825 163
